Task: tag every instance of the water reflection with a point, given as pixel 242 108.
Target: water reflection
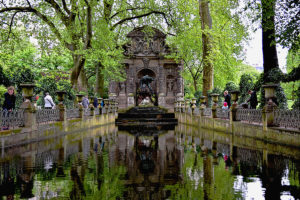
pixel 183 163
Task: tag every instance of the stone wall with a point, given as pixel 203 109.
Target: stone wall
pixel 55 129
pixel 236 128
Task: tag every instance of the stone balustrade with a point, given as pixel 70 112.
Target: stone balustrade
pixel 29 117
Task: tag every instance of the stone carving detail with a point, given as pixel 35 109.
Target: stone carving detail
pixel 146 62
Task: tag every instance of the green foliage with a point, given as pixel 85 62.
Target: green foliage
pixel 231 86
pixel 3 78
pixel 296 105
pixel 246 84
pixel 2 92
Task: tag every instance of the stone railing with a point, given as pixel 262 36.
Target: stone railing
pixel 222 113
pixel 249 115
pixel 29 117
pixel 73 113
pixel 207 112
pixel 12 119
pixel 287 118
pixel 47 115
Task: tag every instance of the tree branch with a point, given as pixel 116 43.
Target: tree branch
pixel 140 16
pixel 40 15
pixel 65 7
pixel 129 9
pixel 11 23
pixel 58 10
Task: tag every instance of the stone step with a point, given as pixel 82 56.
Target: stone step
pixel 148 115
pixel 147 120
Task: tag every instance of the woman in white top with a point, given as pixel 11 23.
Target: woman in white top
pixel 49 104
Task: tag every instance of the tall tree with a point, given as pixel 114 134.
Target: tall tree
pixel 270 58
pixel 208 70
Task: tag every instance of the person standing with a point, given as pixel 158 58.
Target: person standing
pixel 95 103
pixel 49 104
pixel 252 99
pixel 9 104
pixel 85 102
pixel 227 98
pixel 9 99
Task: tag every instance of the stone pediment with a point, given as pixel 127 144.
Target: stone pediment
pixel 146 43
pixel 141 32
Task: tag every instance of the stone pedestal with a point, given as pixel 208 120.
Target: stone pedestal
pixel 130 101
pixel 29 115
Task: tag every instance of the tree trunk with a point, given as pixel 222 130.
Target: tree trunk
pixel 268 37
pixel 195 84
pixel 78 76
pixel 208 70
pixel 99 89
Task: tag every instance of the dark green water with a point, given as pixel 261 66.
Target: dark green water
pixel 183 163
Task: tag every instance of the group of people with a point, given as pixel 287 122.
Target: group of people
pixel 252 100
pixel 86 102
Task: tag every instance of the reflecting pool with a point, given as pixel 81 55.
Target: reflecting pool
pixel 150 163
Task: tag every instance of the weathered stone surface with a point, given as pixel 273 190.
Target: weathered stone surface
pixel 145 55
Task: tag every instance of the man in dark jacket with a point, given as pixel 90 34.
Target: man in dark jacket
pixel 253 99
pixel 9 99
pixel 227 98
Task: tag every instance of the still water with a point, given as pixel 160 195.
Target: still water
pixel 184 163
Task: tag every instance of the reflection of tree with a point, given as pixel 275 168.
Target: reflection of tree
pixel 203 180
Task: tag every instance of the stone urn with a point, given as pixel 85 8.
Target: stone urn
pixel 194 103
pixel 270 91
pixel 235 95
pixel 61 95
pixel 106 102
pixel 215 98
pixel 79 97
pixel 27 90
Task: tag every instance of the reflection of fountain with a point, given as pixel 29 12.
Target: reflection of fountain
pixel 152 162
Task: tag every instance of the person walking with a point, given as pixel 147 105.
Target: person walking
pixel 95 103
pixel 253 99
pixel 9 104
pixel 85 102
pixel 227 98
pixel 49 104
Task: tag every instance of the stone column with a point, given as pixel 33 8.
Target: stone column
pixel 28 107
pixel 80 106
pixel 234 106
pixel 270 107
pixel 215 105
pixel 61 107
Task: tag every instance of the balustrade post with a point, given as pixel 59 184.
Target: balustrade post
pixel 202 105
pixel 61 107
pixel 28 107
pixel 193 106
pixel 80 106
pixel 215 105
pixel 91 106
pixel 106 105
pixel 99 105
pixel 270 106
pixel 234 106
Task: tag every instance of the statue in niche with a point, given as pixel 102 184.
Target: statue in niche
pixel 145 83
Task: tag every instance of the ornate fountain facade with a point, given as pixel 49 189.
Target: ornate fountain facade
pixel 146 55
